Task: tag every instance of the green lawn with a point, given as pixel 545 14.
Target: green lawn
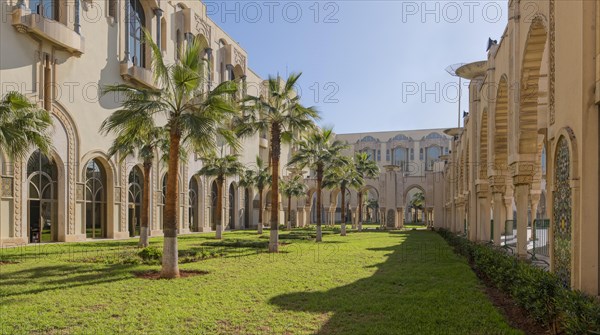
pixel 366 283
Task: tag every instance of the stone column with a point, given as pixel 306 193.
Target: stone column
pixel 300 217
pixel 158 12
pixel 460 216
pixel 332 216
pixel 499 214
pixel 535 202
pixel 354 218
pixel 522 201
pixel 483 212
pixel 483 208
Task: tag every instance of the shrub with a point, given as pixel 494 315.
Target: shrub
pixel 537 291
pixel 150 254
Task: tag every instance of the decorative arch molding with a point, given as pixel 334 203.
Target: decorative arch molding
pixel 501 121
pixel 565 212
pixel 73 140
pixel 105 160
pixel 410 188
pixel 530 90
pixel 483 144
pixel 112 196
pixel 20 226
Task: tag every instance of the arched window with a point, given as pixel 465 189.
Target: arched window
pixel 95 200
pixel 136 187
pixel 432 154
pixel 137 23
pixel 400 158
pixel 193 209
pixel 213 205
pixel 163 201
pixel 45 8
pixel 371 153
pixel 231 207
pixel 43 198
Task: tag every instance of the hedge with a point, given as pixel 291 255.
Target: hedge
pixel 536 290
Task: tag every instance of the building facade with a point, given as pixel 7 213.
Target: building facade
pixel 409 163
pixel 531 141
pixel 60 54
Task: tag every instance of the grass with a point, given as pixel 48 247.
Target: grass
pixel 366 283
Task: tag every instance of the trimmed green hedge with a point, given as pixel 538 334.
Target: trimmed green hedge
pixel 534 289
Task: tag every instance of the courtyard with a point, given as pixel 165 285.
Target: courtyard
pixel 375 282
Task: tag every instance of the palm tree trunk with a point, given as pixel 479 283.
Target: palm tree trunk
pixel 360 210
pixel 145 205
pixel 275 153
pixel 260 210
pixel 343 211
pixel 170 266
pixel 319 182
pixel 219 214
pixel 289 216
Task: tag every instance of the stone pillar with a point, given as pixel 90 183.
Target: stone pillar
pixel 332 216
pixel 158 12
pixel 300 217
pixel 535 202
pixel 354 218
pixel 499 215
pixel 483 211
pixel 460 217
pixel 400 217
pixel 522 201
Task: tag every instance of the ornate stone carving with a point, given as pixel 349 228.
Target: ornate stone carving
pixel 18 215
pixel 202 27
pixel 71 169
pixel 239 59
pixel 123 197
pixel 552 75
pixel 7 187
pixel 185 197
pixel 562 212
pixel 391 218
pixel 80 192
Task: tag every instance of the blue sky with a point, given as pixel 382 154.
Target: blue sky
pixel 367 65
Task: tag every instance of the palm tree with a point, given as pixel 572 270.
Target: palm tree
pixel 294 187
pixel 281 115
pixel 137 134
pixel 260 177
pixel 23 125
pixel 367 169
pixel 343 177
pixel 319 151
pixel 221 168
pixel 194 115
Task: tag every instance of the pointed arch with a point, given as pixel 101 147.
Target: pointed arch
pixel 501 127
pixel 530 90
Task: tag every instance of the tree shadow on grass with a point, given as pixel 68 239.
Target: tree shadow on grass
pixel 58 277
pixel 421 288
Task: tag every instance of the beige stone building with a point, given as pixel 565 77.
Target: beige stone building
pixel 60 53
pixel 531 140
pixel 529 145
pixel 409 162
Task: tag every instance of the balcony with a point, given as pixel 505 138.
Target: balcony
pixel 52 31
pixel 137 74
